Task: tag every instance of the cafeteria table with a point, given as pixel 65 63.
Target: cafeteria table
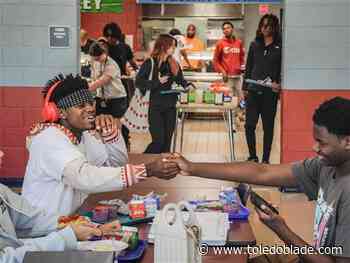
pixel 177 189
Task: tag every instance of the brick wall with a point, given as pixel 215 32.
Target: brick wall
pixel 25 56
pixel 128 21
pixel 20 107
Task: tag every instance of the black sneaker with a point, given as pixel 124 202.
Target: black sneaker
pixel 265 162
pixel 253 159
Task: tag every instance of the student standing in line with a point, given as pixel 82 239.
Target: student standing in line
pixel 229 58
pixel 162 107
pixel 263 64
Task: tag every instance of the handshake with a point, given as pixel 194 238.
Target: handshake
pixel 169 166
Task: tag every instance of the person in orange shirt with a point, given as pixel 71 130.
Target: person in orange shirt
pixel 192 44
pixel 229 58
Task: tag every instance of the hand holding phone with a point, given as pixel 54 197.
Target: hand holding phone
pixel 258 201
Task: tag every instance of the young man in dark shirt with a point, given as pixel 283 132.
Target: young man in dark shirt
pixel 263 64
pixel 325 179
pixel 118 49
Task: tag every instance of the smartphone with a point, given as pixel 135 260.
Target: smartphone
pixel 258 201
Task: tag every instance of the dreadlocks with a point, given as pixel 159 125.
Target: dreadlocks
pixel 71 91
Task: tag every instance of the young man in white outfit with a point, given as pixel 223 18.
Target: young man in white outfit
pixel 77 153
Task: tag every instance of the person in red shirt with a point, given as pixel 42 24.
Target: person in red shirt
pixel 229 58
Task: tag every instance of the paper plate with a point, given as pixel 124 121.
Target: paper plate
pixel 103 245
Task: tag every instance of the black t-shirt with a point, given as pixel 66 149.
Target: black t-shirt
pixel 120 53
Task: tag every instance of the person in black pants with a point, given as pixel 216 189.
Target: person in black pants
pixel 121 53
pixel 111 97
pixel 162 107
pixel 263 64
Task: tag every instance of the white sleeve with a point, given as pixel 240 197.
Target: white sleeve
pixel 92 179
pixel 106 151
pixel 56 241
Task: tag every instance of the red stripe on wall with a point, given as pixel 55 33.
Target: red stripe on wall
pixel 20 107
pixel 297 109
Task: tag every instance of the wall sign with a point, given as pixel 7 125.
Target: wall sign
pixel 101 6
pixel 59 36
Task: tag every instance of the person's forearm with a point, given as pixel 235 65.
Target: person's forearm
pixel 293 240
pixel 272 175
pixel 91 179
pixel 99 82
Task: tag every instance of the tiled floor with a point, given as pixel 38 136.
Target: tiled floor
pixel 207 140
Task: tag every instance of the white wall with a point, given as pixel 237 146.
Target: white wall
pixel 25 56
pixel 317 44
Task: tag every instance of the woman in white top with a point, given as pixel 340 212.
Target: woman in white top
pixel 111 94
